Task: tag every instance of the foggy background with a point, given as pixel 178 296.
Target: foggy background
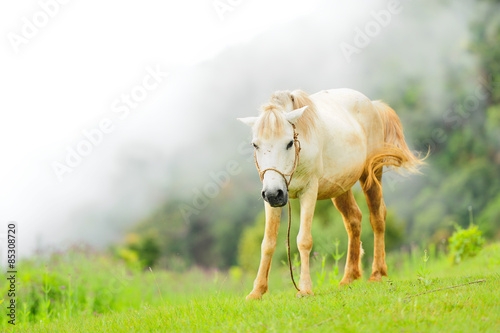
pixel 65 79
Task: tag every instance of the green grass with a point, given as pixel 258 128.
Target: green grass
pixel 214 301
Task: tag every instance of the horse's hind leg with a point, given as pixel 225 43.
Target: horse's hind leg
pixel 378 213
pixel 351 214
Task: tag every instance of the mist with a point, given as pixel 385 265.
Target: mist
pixel 186 130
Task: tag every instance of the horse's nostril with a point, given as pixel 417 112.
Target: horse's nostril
pixel 280 194
pixel 263 195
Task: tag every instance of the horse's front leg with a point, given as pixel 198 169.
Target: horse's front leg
pixel 304 238
pixel 267 250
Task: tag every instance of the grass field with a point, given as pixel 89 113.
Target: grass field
pixel 85 292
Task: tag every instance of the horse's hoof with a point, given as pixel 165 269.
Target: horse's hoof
pixel 375 278
pixel 347 281
pixel 304 293
pixel 252 296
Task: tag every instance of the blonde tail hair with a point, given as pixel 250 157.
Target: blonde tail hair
pixel 395 151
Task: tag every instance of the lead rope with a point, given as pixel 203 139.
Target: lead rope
pixel 261 175
pixel 288 243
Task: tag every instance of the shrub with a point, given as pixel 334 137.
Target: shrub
pixel 465 243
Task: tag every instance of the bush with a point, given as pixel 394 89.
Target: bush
pixel 465 243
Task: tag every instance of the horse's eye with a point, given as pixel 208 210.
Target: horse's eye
pixel 255 146
pixel 290 144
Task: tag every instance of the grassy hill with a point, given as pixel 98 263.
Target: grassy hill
pixel 86 292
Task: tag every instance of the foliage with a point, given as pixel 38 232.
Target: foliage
pixel 335 277
pixel 423 273
pixel 208 238
pixel 320 276
pixel 249 247
pixel 140 248
pixel 465 243
pixel 489 220
pixel 462 130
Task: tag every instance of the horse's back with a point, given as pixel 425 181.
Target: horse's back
pixel 355 105
pixel 348 99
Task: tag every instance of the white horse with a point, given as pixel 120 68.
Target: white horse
pixel 344 137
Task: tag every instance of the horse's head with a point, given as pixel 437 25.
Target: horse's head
pixel 276 151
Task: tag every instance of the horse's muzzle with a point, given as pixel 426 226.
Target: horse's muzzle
pixel 276 198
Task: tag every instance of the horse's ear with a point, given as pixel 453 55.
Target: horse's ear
pixel 294 115
pixel 250 121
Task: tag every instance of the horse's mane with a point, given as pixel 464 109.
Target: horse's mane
pixel 272 120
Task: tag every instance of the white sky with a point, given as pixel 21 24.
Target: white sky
pixel 65 78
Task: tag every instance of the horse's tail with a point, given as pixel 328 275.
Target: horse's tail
pixel 395 151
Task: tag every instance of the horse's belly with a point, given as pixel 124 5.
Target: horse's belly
pixel 331 187
pixel 343 165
